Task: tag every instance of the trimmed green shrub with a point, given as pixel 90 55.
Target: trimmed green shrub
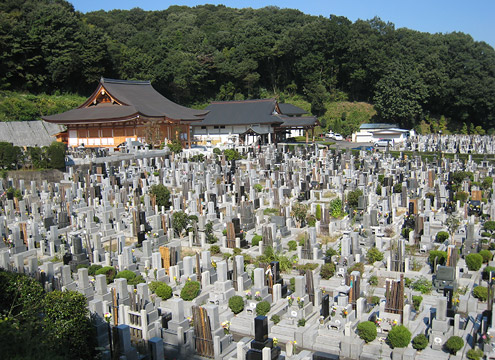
pixel 275 318
pixel 420 342
pixel 161 289
pixel 442 236
pixel 474 354
pixel 256 240
pixel 262 308
pixel 423 285
pixel 487 269
pixel 481 293
pixel 190 290
pixel 125 274
pixel 292 245
pixel 375 300
pixel 474 261
pixel 108 271
pixel 367 331
pixel 318 212
pixel 301 322
pixel 373 280
pixel 399 336
pixel 486 255
pixel 82 266
pixel 374 255
pixel 93 269
pixel 236 304
pixel 331 252
pixel 442 257
pixel 454 344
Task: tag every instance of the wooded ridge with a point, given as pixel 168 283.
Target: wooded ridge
pixel 195 55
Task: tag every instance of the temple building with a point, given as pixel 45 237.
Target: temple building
pixel 252 121
pixel 119 110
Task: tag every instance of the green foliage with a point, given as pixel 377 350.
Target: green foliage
pixel 318 212
pixel 489 226
pixel 336 208
pixel 367 331
pixel 214 249
pixel 306 267
pixel 462 196
pixel 10 156
pixel 489 269
pixel 236 304
pixel 399 336
pixel 356 267
pixel 474 261
pixel 161 289
pixel 454 344
pixel 375 300
pixel 262 308
pixel 331 252
pixel 487 182
pixel 486 255
pixel 210 237
pixel 275 318
pixel 180 222
pixel 440 255
pixel 422 285
pixel 417 299
pixel 441 236
pixel 255 241
pixel 258 187
pixel 474 354
pixel 108 271
pixel 292 244
pixel 327 271
pixel 481 293
pixel 175 146
pixel 270 211
pixel 132 278
pixel 190 290
pixel 301 322
pixel 299 212
pixel 217 151
pixel 378 190
pixel 374 255
pixel 373 280
pixel 232 154
pixel 162 195
pixel 55 154
pixel 292 284
pixel 420 342
pixel 405 232
pixel 353 197
pixel 397 188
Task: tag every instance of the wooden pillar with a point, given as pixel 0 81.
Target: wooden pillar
pixel 189 135
pixel 307 134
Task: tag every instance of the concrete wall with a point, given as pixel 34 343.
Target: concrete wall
pixel 35 175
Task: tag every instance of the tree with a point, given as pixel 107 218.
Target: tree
pixel 336 208
pixel 353 197
pixel 299 212
pixel 162 195
pixel 489 226
pixel 399 336
pixel 67 324
pixel 454 344
pixel 55 154
pixel 367 331
pixel 9 155
pixel 486 255
pixel 180 221
pixel 420 342
pixel 474 261
pixel 175 146
pixel 453 224
pixel 327 271
pixel 236 304
pixel 374 255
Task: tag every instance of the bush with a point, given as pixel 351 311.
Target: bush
pixel 175 146
pixel 232 154
pixel 301 322
pixel 292 284
pixel 474 261
pixel 442 236
pixel 217 151
pixel 488 269
pixel 327 271
pixel 318 212
pixel 214 249
pixel 367 331
pixel 442 257
pixel 486 255
pixel 417 299
pixel 125 274
pixel 161 289
pixel 405 232
pixel 454 344
pixel 474 354
pixel 375 300
pixel 373 280
pixel 190 290
pixel 481 293
pixel 356 267
pixel 236 304
pixel 399 336
pixel 486 234
pixel 331 252
pixel 275 318
pixel 93 269
pixel 108 271
pixel 374 255
pixel 256 240
pixel 420 342
pixel 422 285
pixel 292 245
pixel 262 308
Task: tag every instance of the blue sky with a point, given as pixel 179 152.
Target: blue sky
pixel 434 16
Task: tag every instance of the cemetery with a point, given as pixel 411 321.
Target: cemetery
pixel 279 252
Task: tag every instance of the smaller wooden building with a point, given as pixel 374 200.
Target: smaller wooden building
pixel 125 109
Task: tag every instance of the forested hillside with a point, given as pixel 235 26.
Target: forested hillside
pixel 195 55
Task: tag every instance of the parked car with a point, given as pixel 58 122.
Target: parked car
pixel 384 142
pixel 338 137
pixel 330 135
